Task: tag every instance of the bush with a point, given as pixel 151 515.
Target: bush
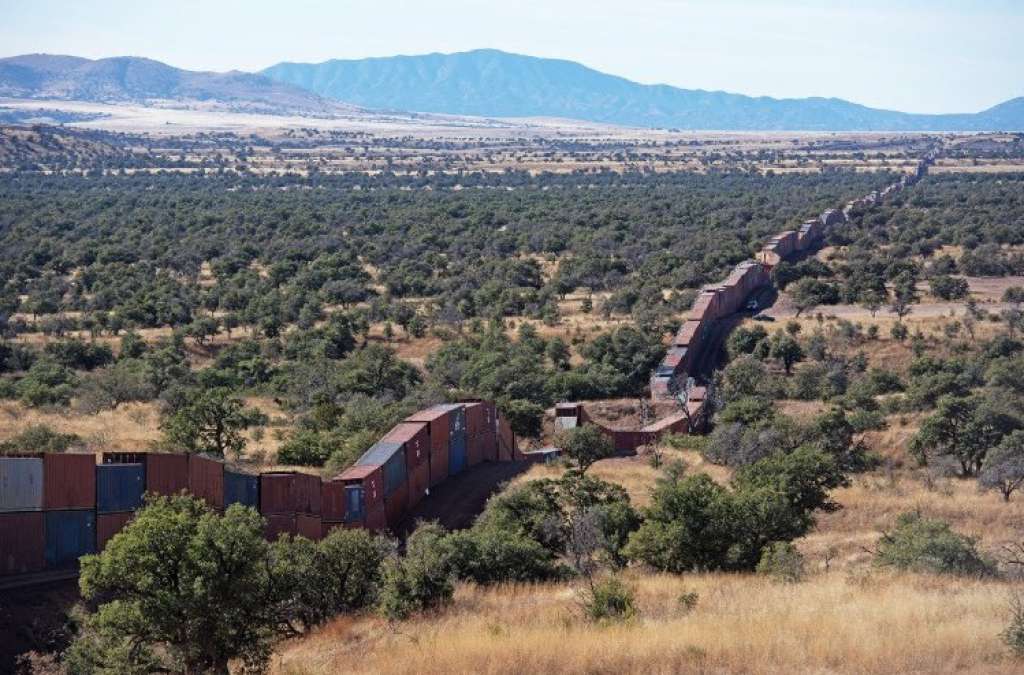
pixel 1013 636
pixel 38 438
pixel 929 545
pixel 421 580
pixel 609 600
pixel 781 561
pixel 491 555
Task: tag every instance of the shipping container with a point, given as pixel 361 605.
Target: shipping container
pixel 474 451
pixel 332 500
pixel 490 446
pixel 474 419
pixel 419 483
pixel 457 454
pixel 438 431
pixel 69 536
pixel 278 524
pixel 108 525
pixel 166 474
pixel 119 487
pixel 206 480
pixel 396 506
pixel 69 481
pixel 241 488
pixel 390 456
pixel 22 543
pixel 21 483
pixel 369 496
pixel 376 519
pixel 416 438
pixel 309 526
pixel 507 451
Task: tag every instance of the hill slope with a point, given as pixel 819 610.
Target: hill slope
pixel 492 83
pixel 139 80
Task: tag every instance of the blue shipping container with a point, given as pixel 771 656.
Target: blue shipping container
pixel 119 487
pixel 456 439
pixel 354 502
pixel 241 488
pixel 69 536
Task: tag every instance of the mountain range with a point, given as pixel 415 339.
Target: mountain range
pixel 127 79
pixel 485 83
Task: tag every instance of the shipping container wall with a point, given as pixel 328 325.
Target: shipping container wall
pixel 278 524
pixel 277 493
pixel 309 526
pixel 395 476
pixel 419 483
pixel 22 543
pixel 474 449
pixel 332 501
pixel 119 487
pixel 241 488
pixel 456 452
pixel 396 505
pixel 438 451
pixel 166 474
pixel 69 536
pixel 376 519
pixel 69 481
pixel 21 484
pixel 355 503
pixel 206 480
pixel 109 524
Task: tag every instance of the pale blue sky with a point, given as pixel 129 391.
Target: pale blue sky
pixel 911 55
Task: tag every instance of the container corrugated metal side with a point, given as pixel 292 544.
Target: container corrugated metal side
pixel 69 481
pixel 277 492
pixel 474 449
pixel 69 536
pixel 376 519
pixel 109 524
pixel 396 505
pixel 438 431
pixel 474 418
pixel 22 543
pixel 419 483
pixel 206 480
pixel 241 488
pixel 332 501
pixel 278 524
pixel 21 483
pixel 119 487
pixel 309 526
pixel 309 494
pixel 166 474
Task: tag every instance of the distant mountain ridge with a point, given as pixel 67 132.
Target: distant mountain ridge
pixel 492 83
pixel 139 80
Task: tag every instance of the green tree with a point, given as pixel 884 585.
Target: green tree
pixel 964 428
pixel 1003 469
pixel 929 545
pixel 585 445
pixel 422 579
pixel 786 349
pixel 210 421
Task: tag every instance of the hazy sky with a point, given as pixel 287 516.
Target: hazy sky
pixel 911 55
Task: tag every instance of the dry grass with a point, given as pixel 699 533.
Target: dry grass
pixel 832 623
pixel 131 426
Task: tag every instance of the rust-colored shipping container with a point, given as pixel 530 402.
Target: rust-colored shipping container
pixel 166 474
pixel 419 483
pixel 109 524
pixel 371 479
pixel 309 526
pixel 278 524
pixel 22 542
pixel 69 481
pixel 474 449
pixel 490 446
pixel 376 520
pixel 439 431
pixel 206 480
pixel 289 492
pixel 396 505
pixel 507 451
pixel 332 501
pixel 474 418
pixel 415 436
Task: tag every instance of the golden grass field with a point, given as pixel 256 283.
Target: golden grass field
pixel 831 623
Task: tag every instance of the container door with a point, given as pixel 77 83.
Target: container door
pixel 354 503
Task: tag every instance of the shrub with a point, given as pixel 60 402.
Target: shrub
pixel 421 580
pixel 38 438
pixel 781 561
pixel 687 601
pixel 609 600
pixel 1013 636
pixel 929 545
